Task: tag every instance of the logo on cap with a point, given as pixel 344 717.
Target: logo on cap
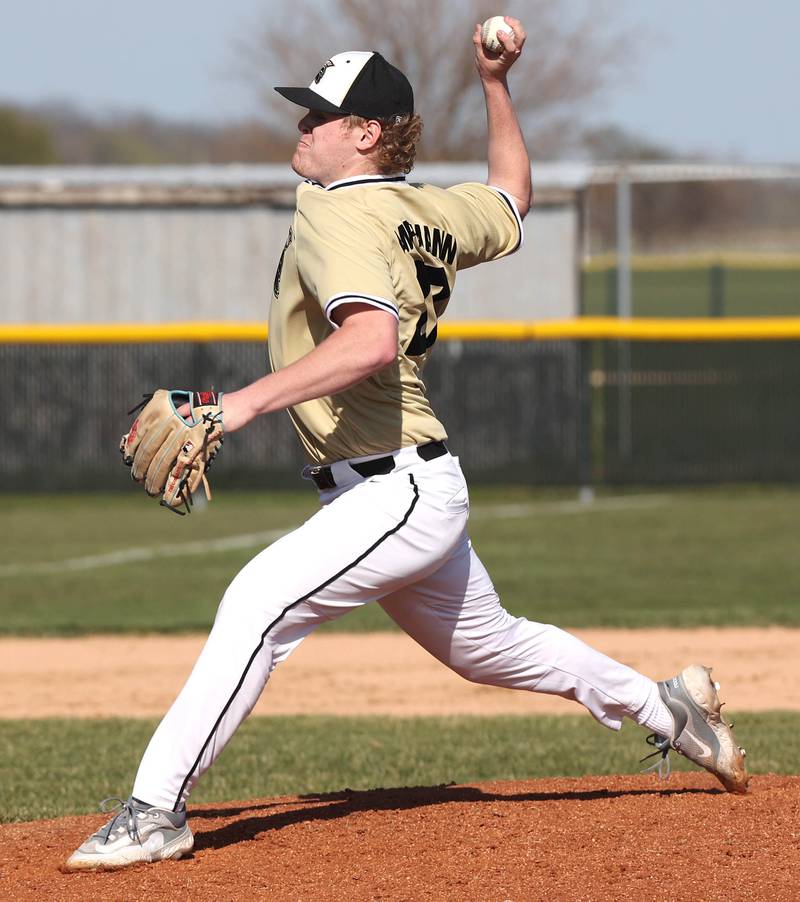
pixel 318 77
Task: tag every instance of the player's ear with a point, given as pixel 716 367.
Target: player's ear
pixel 371 131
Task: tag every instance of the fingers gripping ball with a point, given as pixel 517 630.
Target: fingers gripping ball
pixel 489 31
pixel 169 452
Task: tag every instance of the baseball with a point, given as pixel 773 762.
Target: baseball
pixel 489 31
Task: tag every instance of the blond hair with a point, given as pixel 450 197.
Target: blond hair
pixel 397 146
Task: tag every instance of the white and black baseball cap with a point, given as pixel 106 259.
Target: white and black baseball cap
pixel 358 82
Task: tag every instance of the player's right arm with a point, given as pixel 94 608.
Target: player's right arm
pixel 509 163
pixel 364 343
pixel 342 262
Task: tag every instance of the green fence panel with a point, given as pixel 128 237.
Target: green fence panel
pixel 699 412
pixel 547 412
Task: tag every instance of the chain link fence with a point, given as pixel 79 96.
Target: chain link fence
pixel 603 412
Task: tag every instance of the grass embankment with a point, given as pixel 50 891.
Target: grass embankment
pixel 691 292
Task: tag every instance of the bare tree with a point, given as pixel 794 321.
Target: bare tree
pixel 575 51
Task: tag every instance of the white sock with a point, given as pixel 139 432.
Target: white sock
pixel 655 715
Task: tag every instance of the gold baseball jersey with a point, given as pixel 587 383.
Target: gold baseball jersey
pixel 396 246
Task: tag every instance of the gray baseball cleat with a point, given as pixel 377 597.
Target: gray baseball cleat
pixel 699 732
pixel 135 833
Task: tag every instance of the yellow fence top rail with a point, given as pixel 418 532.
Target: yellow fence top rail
pixel 641 329
pixel 131 333
pixel 583 328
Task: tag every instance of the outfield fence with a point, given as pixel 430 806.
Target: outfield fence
pixel 590 401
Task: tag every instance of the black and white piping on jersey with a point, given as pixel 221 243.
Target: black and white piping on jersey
pixel 363 180
pixel 349 297
pixel 278 619
pixel 513 205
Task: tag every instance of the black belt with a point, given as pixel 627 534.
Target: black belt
pixel 323 477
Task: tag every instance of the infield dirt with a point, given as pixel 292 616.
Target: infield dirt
pixel 372 673
pixel 595 838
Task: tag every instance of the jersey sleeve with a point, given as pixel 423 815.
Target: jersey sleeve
pixel 341 256
pixel 489 224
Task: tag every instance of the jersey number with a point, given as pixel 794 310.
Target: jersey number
pixel 429 277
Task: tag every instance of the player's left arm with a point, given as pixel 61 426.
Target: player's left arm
pixel 509 163
pixel 364 343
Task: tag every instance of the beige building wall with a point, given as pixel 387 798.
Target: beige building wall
pixel 130 249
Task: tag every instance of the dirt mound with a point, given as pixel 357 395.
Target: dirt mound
pixel 595 838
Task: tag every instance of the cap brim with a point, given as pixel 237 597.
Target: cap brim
pixel 309 99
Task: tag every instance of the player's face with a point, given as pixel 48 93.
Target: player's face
pixel 325 149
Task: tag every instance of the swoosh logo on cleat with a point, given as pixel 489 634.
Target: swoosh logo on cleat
pixel 705 749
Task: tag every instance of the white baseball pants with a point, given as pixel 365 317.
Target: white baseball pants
pixel 399 539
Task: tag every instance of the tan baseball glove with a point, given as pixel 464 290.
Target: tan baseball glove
pixel 169 452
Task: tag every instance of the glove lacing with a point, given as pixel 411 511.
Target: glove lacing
pixel 145 400
pixel 211 421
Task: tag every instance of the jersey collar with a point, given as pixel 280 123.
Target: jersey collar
pixel 364 180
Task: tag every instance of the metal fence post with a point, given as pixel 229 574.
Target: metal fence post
pixel 585 436
pixel 624 228
pixel 624 306
pixel 612 309
pixel 716 290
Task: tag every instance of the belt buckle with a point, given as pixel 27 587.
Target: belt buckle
pixel 322 477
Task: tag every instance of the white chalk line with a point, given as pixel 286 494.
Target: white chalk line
pixel 598 505
pixel 256 539
pixel 146 553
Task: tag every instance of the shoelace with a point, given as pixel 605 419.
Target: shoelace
pixel 662 746
pixel 121 810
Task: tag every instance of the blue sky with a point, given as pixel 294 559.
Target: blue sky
pixel 715 77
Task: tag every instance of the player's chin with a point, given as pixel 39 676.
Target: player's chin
pixel 297 164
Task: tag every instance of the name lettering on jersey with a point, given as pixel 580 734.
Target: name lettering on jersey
pixel 433 240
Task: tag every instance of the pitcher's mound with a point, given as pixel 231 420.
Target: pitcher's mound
pixel 573 839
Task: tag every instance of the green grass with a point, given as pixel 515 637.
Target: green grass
pixel 53 767
pixel 701 557
pixel 747 292
pixel 184 591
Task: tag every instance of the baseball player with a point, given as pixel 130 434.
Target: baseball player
pixel 368 269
